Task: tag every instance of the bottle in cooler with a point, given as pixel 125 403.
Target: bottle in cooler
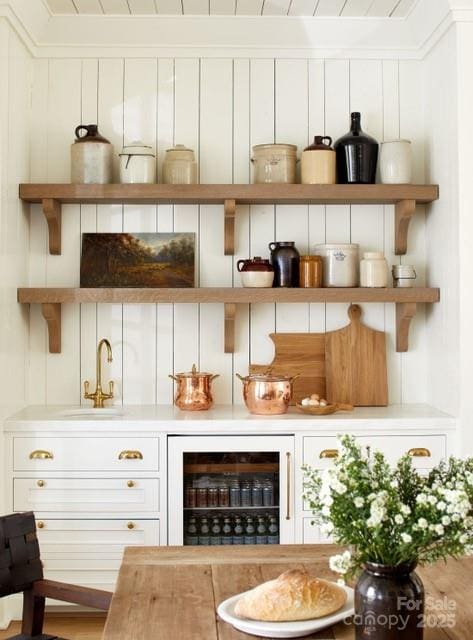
pixel 204 532
pixel 250 531
pixel 273 531
pixel 227 534
pixel 261 531
pixel 215 532
pixel 191 537
pixel 238 531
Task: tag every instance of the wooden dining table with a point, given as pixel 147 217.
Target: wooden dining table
pixel 172 593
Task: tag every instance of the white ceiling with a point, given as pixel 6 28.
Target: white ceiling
pixel 349 8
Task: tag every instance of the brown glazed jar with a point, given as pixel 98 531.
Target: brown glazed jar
pixel 257 272
pixel 310 271
pixel 285 260
pixel 389 603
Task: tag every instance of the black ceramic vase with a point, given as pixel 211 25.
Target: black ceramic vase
pixel 285 260
pixel 389 603
pixel 357 155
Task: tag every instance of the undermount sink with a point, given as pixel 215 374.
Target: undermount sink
pixel 90 412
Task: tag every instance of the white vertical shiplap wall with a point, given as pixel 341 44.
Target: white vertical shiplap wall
pixel 220 107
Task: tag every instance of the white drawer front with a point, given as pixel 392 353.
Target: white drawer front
pixel 86 495
pixel 394 447
pixel 311 533
pixel 86 454
pixel 93 539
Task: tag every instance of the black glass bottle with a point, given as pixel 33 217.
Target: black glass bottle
pixel 357 155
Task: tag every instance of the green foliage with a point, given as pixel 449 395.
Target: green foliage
pixel 391 515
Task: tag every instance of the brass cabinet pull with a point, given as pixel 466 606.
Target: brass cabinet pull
pixel 41 454
pixel 130 455
pixel 288 486
pixel 40 524
pixel 130 483
pixel 329 453
pixel 40 483
pixel 130 525
pixel 419 452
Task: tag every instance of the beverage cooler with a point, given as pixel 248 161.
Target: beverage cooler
pixel 230 490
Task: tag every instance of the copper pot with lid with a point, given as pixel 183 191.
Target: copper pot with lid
pixel 267 394
pixel 194 391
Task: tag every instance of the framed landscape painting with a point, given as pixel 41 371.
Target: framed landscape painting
pixel 137 260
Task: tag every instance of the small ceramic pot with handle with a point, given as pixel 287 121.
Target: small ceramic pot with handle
pixel 91 156
pixel 256 272
pixel 319 162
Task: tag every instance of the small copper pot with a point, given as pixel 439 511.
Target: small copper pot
pixel 194 390
pixel 267 394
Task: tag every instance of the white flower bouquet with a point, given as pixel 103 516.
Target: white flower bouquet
pixel 391 515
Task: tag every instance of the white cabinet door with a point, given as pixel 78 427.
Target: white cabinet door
pixel 86 495
pixel 118 454
pixel 178 446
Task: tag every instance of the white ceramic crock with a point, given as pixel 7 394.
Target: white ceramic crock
pixel 341 263
pixel 395 162
pixel 179 166
pixel 137 164
pixel 274 163
pixel 404 275
pixel 373 270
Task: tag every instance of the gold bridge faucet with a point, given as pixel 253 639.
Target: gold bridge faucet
pixel 99 396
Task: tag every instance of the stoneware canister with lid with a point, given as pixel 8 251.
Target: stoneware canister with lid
pixel 395 162
pixel 256 272
pixel 373 270
pixel 179 166
pixel 137 164
pixel 91 156
pixel 319 162
pixel 404 275
pixel 274 163
pixel 341 264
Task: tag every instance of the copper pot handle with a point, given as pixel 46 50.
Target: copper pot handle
pixel 216 375
pixel 173 378
pixel 240 377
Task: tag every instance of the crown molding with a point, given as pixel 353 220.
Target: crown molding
pixel 86 36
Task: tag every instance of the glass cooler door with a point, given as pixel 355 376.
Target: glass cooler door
pixel 230 490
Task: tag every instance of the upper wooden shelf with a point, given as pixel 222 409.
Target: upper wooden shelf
pixel 404 197
pixel 52 298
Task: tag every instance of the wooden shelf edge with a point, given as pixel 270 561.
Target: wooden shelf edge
pixel 219 193
pixel 225 295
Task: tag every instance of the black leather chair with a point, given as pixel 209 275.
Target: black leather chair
pixel 21 570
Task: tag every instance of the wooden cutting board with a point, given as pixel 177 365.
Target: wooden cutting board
pixel 346 366
pixel 355 364
pixel 300 354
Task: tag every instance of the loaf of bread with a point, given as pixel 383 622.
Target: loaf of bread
pixel 292 596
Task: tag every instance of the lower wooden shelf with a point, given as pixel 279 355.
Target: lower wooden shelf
pixel 51 300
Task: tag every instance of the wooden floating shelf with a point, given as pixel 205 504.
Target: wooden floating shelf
pixel 405 197
pixel 51 300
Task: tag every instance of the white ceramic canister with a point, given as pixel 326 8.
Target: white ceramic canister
pixel 179 166
pixel 274 163
pixel 404 275
pixel 91 157
pixel 318 162
pixel 395 162
pixel 137 164
pixel 373 270
pixel 341 262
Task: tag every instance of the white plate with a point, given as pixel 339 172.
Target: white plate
pixel 226 610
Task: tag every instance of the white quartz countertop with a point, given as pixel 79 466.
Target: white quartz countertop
pixel 228 419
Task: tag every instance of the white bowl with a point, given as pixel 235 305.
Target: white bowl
pixel 226 610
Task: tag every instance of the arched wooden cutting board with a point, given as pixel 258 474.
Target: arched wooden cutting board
pixel 346 366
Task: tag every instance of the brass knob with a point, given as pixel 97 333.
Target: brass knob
pixel 130 525
pixel 40 524
pixel 419 452
pixel 130 483
pixel 41 454
pixel 329 453
pixel 40 483
pixel 130 455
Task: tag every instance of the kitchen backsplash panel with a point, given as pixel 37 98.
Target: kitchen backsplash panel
pixel 220 108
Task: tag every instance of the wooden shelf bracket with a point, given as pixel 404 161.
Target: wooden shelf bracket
pixel 52 314
pixel 405 311
pixel 230 313
pixel 53 215
pixel 229 239
pixel 404 210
